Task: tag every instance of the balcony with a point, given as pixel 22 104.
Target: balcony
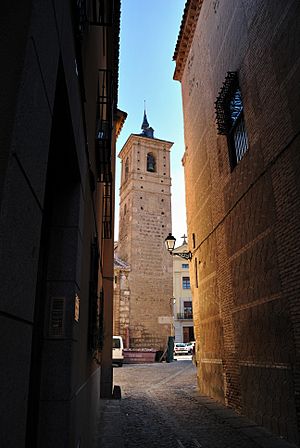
pixel 184 316
pixel 93 12
pixel 104 114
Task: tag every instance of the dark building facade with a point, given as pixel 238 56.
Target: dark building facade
pixel 239 67
pixel 59 123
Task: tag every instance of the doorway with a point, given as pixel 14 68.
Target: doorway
pixel 188 334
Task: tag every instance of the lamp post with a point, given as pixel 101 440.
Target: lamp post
pixel 170 245
pixel 172 303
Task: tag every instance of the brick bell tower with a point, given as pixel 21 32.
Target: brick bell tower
pixel 145 221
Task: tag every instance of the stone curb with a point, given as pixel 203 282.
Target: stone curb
pixel 109 432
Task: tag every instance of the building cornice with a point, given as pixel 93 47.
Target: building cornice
pixel 186 34
pixel 120 118
pixel 151 142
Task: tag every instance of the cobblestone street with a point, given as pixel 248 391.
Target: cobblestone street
pixel 160 407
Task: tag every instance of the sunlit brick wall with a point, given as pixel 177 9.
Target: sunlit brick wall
pixel 245 221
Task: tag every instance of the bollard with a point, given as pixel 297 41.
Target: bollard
pixel 169 357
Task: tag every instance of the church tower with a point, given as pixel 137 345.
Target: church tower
pixel 145 221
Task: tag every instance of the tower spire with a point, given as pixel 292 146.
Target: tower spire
pixel 147 130
pixel 145 124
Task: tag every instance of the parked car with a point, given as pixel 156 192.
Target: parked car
pixel 180 348
pixel 191 347
pixel 117 351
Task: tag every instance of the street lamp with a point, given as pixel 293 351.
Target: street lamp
pixel 170 245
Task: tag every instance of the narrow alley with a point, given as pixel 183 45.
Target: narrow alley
pixel 161 407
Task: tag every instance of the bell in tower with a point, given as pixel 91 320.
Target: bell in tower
pixel 151 165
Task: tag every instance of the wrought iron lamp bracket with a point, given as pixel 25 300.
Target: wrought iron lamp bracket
pixel 185 255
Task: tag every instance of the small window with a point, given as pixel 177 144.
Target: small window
pixel 185 266
pixel 196 272
pixel 186 283
pixel 194 240
pixel 151 164
pixel 230 118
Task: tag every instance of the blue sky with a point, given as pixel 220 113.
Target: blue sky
pixel 149 32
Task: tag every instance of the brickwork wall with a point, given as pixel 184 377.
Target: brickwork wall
pixel 246 221
pixel 145 220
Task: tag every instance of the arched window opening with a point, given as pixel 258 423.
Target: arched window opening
pixel 126 168
pixel 151 164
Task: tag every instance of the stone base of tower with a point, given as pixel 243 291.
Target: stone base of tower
pixel 140 338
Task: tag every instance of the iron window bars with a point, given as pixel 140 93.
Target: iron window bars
pixel 230 118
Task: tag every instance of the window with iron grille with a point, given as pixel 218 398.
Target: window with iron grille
pixel 230 118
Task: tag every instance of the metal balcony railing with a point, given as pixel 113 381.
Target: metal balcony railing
pixel 102 12
pixel 104 126
pixel 107 211
pixel 93 12
pixel 184 316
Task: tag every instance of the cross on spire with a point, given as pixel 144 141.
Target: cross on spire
pixel 184 238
